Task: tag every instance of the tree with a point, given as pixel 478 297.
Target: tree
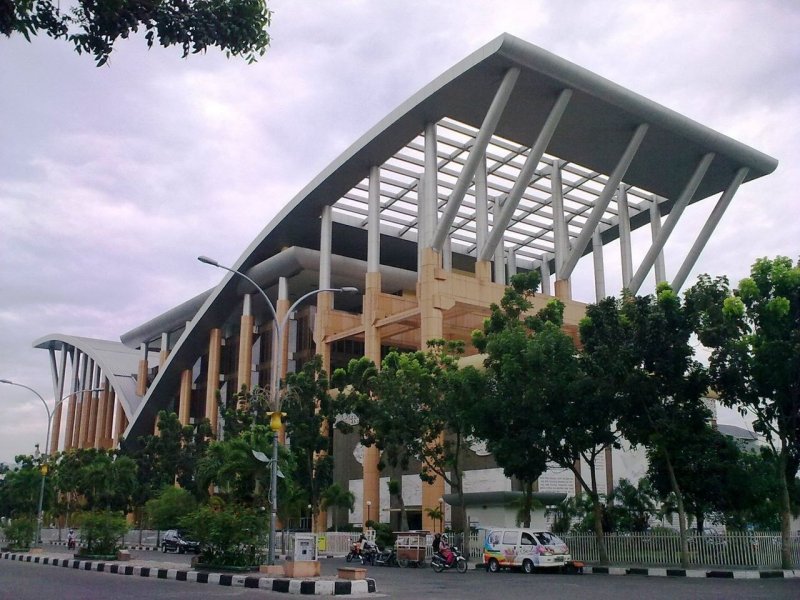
pixel 711 472
pixel 547 401
pixel 631 506
pixel 416 408
pixel 754 336
pixel 643 345
pixel 167 509
pixel 308 411
pixel 396 490
pixel 238 27
pixel 335 496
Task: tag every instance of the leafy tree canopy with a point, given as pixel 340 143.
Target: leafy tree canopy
pixel 238 27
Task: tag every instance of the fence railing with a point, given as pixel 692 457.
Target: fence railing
pixel 655 549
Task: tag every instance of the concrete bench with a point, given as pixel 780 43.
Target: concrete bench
pixel 351 573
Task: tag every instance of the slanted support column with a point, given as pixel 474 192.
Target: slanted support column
pixel 245 370
pixel 483 268
pixel 677 210
pixel 599 270
pixel 141 377
pixel 624 235
pixel 476 154
pixel 602 201
pixel 526 173
pixel 212 377
pixel 708 228
pixel 185 400
pixel 282 307
pixel 655 229
pixel 86 403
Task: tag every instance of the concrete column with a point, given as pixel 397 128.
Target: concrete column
pixel 91 432
pixel 141 377
pixel 544 269
pixel 164 353
pixel 372 351
pixel 244 372
pixel 108 428
pixel 655 229
pixel 282 308
pixel 431 327
pixel 121 424
pixel 184 405
pixel 212 377
pixel 58 386
pixel 68 430
pixel 599 270
pixel 100 422
pixel 623 217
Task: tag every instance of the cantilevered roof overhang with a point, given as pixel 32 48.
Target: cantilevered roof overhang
pixel 116 361
pixel 596 128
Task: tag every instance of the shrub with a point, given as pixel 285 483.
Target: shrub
pixel 101 532
pixel 230 536
pixel 19 533
pixel 384 535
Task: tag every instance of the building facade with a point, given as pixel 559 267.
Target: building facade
pixel 512 160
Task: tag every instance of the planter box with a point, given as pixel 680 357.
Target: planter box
pixel 302 568
pixel 351 573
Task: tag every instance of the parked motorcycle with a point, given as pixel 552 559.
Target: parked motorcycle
pixel 439 561
pixel 355 552
pixel 387 558
pixel 369 554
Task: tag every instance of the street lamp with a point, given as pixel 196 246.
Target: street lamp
pixel 46 443
pixel 441 515
pixel 369 506
pixel 276 414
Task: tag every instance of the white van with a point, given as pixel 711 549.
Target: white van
pixel 525 548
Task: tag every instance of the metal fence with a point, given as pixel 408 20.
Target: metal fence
pixel 662 549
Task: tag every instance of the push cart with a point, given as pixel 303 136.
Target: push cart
pixel 411 547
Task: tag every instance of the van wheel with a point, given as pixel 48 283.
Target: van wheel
pixel 527 566
pixel 494 566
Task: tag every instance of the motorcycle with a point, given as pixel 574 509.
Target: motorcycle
pixel 386 558
pixel 355 552
pixel 439 561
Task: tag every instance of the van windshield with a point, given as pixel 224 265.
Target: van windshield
pixel 548 539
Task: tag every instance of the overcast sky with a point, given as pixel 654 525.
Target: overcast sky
pixel 113 180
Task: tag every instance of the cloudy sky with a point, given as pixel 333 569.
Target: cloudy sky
pixel 113 180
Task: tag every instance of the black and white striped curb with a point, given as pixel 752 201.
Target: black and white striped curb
pixel 324 587
pixel 701 573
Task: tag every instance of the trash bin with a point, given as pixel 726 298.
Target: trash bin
pixel 305 547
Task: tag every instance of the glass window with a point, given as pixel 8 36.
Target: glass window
pixel 510 537
pixel 527 539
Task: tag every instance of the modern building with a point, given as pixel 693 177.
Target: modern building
pixel 512 160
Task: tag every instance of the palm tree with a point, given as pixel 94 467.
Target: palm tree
pixel 335 496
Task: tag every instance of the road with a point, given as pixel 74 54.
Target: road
pixel 27 581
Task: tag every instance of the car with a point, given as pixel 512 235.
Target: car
pixel 174 541
pixel 527 549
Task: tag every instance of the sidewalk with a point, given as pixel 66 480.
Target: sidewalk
pixel 322 586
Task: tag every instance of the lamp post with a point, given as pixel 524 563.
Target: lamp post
pixel 369 506
pixel 441 515
pixel 276 414
pixel 39 513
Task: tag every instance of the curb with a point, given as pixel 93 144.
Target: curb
pixel 123 547
pixel 327 587
pixel 697 573
pixel 701 573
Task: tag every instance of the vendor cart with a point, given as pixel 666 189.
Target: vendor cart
pixel 411 547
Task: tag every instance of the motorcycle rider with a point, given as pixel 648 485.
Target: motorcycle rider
pixel 441 548
pixel 368 549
